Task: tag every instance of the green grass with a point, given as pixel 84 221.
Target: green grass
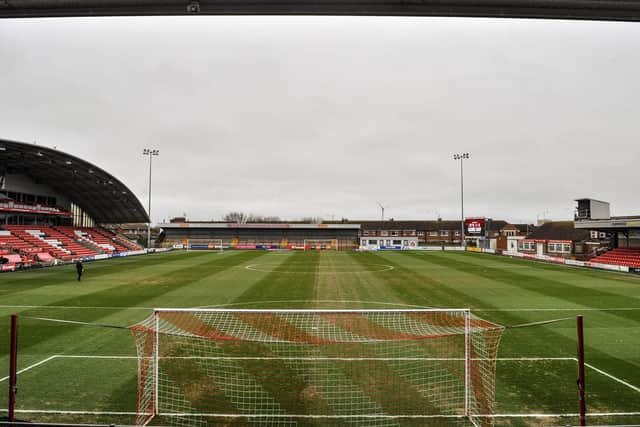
pixel 506 291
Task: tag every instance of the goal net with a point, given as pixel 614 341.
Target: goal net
pixel 205 244
pixel 320 244
pixel 200 367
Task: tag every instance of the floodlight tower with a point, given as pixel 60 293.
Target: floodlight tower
pixel 150 152
pixel 382 210
pixel 461 157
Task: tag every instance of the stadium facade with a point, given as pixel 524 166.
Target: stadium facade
pixel 56 207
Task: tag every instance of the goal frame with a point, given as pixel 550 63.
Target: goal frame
pixel 216 243
pixel 333 242
pixel 467 338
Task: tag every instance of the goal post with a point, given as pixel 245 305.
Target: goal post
pixel 357 367
pixel 321 244
pixel 205 244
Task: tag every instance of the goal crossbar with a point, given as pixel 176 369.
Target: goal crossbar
pixel 266 365
pixel 326 244
pixel 313 310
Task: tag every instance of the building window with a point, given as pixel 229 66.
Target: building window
pixel 444 233
pixel 397 242
pixel 526 246
pixel 457 234
pixel 559 247
pixel 365 232
pixel 384 233
pixel 433 234
pixel 421 233
pixel 603 235
pixel 395 233
pixel 373 242
pixel 594 234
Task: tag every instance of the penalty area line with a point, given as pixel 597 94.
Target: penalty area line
pixel 557 309
pixel 30 367
pixel 183 414
pixel 72 412
pixel 600 371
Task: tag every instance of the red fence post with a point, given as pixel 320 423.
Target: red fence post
pixel 581 384
pixel 13 363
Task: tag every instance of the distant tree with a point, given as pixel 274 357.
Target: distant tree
pixel 243 218
pixel 236 217
pixel 312 220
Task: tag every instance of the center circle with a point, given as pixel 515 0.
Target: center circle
pixel 290 268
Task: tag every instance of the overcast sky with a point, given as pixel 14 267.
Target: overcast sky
pixel 325 116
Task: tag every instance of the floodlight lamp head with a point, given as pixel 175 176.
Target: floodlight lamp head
pixel 145 152
pixel 193 7
pixel 456 157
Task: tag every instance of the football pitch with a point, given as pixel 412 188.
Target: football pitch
pixel 75 373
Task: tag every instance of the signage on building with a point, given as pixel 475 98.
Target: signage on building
pixel 474 226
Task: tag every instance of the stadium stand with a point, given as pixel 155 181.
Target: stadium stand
pixel 620 256
pixel 53 207
pixel 261 235
pixel 118 240
pixel 52 241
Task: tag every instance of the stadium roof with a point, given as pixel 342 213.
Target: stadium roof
pixel 559 230
pixel 258 225
pixel 98 193
pixel 620 10
pixel 419 225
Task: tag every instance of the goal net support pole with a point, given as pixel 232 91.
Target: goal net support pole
pixel 281 367
pixel 581 383
pixel 13 366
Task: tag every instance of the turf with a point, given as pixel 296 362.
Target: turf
pixel 502 290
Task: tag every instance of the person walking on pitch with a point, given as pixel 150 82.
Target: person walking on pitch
pixel 79 269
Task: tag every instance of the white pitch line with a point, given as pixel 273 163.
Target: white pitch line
pixel 287 301
pixel 92 356
pixel 435 359
pixel 589 414
pixel 30 367
pixel 76 307
pixel 69 412
pixel 534 415
pixel 631 386
pixel 306 416
pixel 558 309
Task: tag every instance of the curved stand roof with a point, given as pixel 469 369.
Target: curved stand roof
pixel 97 192
pixel 626 10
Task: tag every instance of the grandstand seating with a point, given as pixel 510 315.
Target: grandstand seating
pixel 41 243
pixel 93 238
pixel 125 243
pixel 78 233
pixel 51 240
pixel 620 256
pixel 12 242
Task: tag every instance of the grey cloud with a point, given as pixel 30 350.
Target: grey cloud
pixel 299 116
